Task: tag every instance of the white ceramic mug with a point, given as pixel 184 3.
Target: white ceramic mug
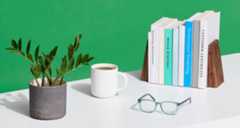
pixel 105 79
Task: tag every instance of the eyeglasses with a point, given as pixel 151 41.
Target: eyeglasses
pixel 167 107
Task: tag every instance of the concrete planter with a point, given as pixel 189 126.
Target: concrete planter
pixel 47 103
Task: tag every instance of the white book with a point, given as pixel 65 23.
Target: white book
pixel 209 31
pixel 175 55
pixel 150 57
pixel 181 55
pixel 153 52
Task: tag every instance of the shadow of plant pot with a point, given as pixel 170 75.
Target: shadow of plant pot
pixel 47 103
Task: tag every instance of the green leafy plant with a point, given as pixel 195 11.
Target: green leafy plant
pixel 41 63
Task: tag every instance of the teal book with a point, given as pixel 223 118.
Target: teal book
pixel 168 56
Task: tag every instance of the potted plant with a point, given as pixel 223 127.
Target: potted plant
pixel 48 90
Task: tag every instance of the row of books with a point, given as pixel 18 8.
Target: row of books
pixel 178 50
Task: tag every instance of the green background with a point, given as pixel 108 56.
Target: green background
pixel 113 30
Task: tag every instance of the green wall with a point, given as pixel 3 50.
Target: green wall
pixel 113 30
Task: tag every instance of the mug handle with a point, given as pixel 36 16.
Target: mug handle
pixel 124 76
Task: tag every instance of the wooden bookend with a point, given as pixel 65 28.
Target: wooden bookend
pixel 144 73
pixel 215 69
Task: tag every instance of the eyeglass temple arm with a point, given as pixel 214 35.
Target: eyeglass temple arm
pixel 147 94
pixel 189 99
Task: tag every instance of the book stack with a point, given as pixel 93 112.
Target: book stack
pixel 178 50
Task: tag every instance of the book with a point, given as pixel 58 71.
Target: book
pixel 168 36
pixel 156 50
pixel 181 54
pixel 209 32
pixel 193 51
pixel 195 46
pixel 188 55
pixel 175 55
pixel 150 58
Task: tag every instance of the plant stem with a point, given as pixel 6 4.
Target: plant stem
pixel 54 82
pixel 37 82
pixel 61 81
pixel 43 80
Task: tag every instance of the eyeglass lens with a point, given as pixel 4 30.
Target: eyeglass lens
pixel 147 105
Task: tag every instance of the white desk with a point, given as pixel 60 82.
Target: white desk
pixel 209 108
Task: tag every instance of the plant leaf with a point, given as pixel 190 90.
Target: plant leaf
pixel 50 71
pixel 70 51
pixel 28 47
pixel 85 58
pixel 29 56
pixel 14 44
pixel 41 62
pixel 37 53
pixel 71 64
pixel 11 49
pixel 77 42
pixel 90 59
pixel 36 70
pixel 21 53
pixel 47 62
pixel 63 67
pixel 53 51
pixel 20 44
pixel 79 60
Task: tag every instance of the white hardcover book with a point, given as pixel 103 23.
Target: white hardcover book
pixel 209 31
pixel 150 57
pixel 181 55
pixel 203 56
pixel 175 55
pixel 155 36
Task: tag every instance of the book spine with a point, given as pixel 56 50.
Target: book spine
pixel 175 56
pixel 203 56
pixel 181 55
pixel 195 43
pixel 168 37
pixel 150 58
pixel 161 57
pixel 188 55
pixel 156 56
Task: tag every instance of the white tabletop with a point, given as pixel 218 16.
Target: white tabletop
pixel 209 108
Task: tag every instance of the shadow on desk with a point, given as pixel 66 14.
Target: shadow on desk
pixel 83 88
pixel 16 102
pixel 135 74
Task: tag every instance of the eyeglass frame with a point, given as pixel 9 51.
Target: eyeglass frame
pixel 178 104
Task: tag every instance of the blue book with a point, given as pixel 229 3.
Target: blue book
pixel 188 55
pixel 168 40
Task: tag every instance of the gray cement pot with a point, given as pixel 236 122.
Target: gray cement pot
pixel 47 103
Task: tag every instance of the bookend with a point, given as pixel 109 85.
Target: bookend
pixel 215 69
pixel 144 73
